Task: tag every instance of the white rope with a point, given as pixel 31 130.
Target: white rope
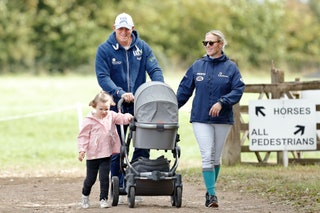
pixel 42 113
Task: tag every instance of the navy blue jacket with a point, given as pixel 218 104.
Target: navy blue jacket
pixel 214 80
pixel 119 70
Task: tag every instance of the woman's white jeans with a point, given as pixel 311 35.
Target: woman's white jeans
pixel 211 139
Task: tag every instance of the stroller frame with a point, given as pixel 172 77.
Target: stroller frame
pixel 150 183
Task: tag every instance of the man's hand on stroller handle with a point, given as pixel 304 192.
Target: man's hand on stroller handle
pixel 128 97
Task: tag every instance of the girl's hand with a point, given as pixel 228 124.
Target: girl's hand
pixel 81 155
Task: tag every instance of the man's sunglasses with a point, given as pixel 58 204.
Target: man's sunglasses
pixel 210 43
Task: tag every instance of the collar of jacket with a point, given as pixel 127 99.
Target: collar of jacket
pixel 112 39
pixel 222 58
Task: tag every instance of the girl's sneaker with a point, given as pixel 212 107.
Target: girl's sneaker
pixel 104 203
pixel 85 203
pixel 121 199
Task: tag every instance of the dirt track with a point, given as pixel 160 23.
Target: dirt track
pixel 50 194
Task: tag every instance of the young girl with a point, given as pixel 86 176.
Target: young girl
pixel 98 140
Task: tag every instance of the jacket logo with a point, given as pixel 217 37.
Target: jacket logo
pixel 137 52
pixel 115 47
pixel 222 75
pixel 199 78
pixel 114 61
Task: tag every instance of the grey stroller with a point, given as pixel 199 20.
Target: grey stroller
pixel 155 127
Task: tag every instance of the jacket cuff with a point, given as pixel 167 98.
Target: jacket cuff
pixel 221 101
pixel 120 93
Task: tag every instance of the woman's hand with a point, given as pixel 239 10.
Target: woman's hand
pixel 215 109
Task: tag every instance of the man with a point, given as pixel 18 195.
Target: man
pixel 122 62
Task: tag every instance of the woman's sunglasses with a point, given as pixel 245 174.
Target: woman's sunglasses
pixel 209 42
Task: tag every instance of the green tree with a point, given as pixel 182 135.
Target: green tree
pixel 253 29
pixel 16 49
pixel 302 29
pixel 64 33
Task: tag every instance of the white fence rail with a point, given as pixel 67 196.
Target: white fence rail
pixel 77 107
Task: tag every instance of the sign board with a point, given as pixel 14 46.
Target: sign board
pixel 282 124
pixel 313 95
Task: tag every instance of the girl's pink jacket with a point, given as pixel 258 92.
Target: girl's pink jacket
pixel 99 138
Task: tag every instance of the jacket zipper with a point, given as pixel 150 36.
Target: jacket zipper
pixel 128 73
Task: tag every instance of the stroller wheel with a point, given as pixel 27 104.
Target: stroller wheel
pixel 176 199
pixel 131 197
pixel 115 190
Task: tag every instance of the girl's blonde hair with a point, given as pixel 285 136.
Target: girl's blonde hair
pixel 103 97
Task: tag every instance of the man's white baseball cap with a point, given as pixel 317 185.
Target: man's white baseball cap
pixel 123 20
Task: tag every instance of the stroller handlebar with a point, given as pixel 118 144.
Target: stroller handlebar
pixel 120 102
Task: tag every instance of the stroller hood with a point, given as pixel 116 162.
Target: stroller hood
pixel 155 102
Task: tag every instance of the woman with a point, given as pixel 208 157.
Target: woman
pixel 218 86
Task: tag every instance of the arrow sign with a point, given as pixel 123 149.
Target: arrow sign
pixel 259 110
pixel 282 124
pixel 300 129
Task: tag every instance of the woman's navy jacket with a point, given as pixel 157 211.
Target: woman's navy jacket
pixel 214 80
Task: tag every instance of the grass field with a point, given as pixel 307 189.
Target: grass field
pixel 39 121
pixel 39 125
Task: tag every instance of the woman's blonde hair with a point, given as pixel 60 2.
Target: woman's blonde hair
pixel 103 97
pixel 220 36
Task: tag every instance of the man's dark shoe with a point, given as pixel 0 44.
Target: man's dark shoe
pixel 122 191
